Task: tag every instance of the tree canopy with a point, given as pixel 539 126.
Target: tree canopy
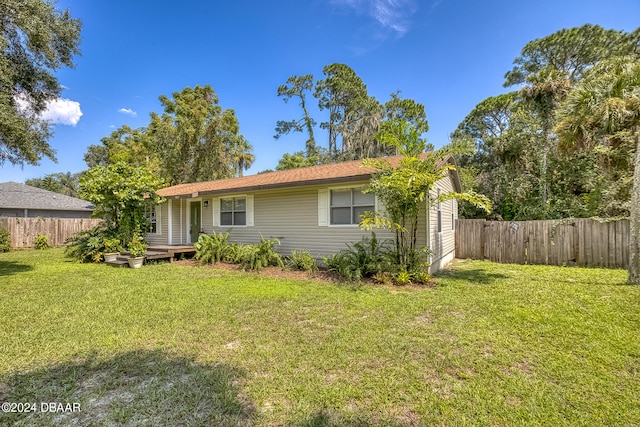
pixel 36 39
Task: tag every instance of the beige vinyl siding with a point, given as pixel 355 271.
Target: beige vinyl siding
pixel 443 243
pixel 291 215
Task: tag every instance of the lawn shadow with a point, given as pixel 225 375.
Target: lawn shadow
pixel 7 268
pixel 474 275
pixel 331 418
pixel 135 388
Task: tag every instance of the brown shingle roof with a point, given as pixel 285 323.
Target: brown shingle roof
pixel 321 174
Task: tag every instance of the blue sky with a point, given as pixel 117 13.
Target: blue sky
pixel 447 54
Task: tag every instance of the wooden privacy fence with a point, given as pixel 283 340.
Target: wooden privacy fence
pixel 25 230
pixel 581 242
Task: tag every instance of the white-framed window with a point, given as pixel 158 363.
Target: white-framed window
pixel 347 204
pixel 233 211
pixel 439 206
pixel 150 214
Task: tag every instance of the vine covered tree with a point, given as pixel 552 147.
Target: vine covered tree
pixel 36 39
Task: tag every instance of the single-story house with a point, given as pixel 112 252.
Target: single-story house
pixel 315 208
pixel 20 200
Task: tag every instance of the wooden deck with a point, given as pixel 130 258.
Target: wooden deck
pixel 168 251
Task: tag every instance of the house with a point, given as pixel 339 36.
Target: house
pixel 20 200
pixel 315 208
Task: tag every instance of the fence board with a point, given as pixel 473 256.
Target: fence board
pixel 24 231
pixel 582 242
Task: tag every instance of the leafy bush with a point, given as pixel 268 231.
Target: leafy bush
pixel 366 258
pixel 5 239
pixel 41 242
pixel 258 256
pixel 302 260
pixel 212 248
pixel 112 245
pixel 88 245
pixel 137 246
pixel 233 253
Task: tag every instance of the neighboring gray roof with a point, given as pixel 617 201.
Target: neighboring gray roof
pixel 20 196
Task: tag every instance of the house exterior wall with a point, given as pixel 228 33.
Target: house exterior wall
pixel 442 243
pixel 292 215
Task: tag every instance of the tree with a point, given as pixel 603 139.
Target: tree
pixel 296 160
pixel 133 146
pixel 63 183
pixel 550 66
pixel 297 86
pixel 240 154
pixel 404 190
pixel 119 192
pixel 193 135
pixel 36 39
pixel 342 92
pixel 601 110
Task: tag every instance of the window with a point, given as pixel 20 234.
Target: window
pixel 233 211
pixel 347 205
pixel 150 216
pixel 439 213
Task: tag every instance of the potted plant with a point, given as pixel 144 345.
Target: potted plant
pixel 136 247
pixel 112 249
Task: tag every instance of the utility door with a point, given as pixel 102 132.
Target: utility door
pixel 195 221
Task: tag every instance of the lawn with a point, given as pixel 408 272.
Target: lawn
pixel 167 344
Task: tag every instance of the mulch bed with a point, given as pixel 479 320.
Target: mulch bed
pixel 321 275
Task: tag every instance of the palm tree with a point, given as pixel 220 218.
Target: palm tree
pixel 240 154
pixel 606 105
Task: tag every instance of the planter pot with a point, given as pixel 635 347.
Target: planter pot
pixel 110 257
pixel 136 262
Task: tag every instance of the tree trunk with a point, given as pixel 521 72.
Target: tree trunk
pixel 634 238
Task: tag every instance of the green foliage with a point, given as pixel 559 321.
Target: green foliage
pixel 366 258
pixel 88 245
pixel 298 86
pixel 404 190
pixel 302 260
pixel 119 192
pixel 260 255
pixel 5 239
pixel 212 248
pixel 36 39
pixel 112 245
pixel 136 246
pixel 63 183
pixel 41 242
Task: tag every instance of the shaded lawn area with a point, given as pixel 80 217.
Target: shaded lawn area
pixel 174 345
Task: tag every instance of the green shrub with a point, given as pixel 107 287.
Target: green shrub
pixel 302 260
pixel 137 246
pixel 233 254
pixel 366 258
pixel 41 242
pixel 88 245
pixel 258 256
pixel 5 239
pixel 212 248
pixel 112 245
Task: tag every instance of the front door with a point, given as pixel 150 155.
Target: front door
pixel 195 221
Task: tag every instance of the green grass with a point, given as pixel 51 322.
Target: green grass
pixel 173 345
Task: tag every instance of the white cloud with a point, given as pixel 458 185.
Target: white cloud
pixel 390 14
pixel 62 111
pixel 128 112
